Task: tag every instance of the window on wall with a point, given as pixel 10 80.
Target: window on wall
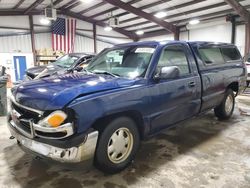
pixel 174 55
pixel 230 54
pixel 211 56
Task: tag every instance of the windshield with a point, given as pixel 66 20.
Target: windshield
pixel 126 61
pixel 66 61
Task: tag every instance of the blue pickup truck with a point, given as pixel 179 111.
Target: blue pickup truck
pixel 127 93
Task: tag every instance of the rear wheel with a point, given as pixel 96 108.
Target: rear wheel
pixel 117 145
pixel 225 110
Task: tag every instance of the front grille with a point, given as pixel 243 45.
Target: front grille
pixel 26 114
pixel 51 135
pixel 25 126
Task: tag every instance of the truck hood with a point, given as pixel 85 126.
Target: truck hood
pixel 34 71
pixel 55 92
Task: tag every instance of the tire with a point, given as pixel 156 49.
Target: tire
pixel 117 145
pixel 225 110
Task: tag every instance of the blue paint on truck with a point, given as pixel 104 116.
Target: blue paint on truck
pixel 94 97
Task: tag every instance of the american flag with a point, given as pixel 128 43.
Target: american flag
pixel 63 34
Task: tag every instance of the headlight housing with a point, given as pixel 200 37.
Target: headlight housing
pixel 55 119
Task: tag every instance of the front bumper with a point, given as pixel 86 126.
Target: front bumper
pixel 82 152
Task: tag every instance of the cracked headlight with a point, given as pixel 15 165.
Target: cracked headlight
pixel 55 119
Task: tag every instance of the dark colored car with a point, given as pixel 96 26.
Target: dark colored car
pixel 64 63
pixel 127 93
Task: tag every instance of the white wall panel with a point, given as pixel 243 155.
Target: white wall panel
pixel 216 33
pixel 43 40
pixel 184 35
pixel 159 38
pixel 101 45
pixel 84 44
pixel 240 38
pixel 15 21
pixel 17 43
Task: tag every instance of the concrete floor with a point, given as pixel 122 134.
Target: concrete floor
pixel 202 152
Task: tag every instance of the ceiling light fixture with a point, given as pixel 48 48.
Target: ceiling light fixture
pixel 194 21
pixel 44 21
pixel 87 1
pixel 108 28
pixel 139 32
pixel 160 14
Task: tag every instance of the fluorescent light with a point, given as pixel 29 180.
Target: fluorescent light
pixel 139 32
pixel 44 21
pixel 108 28
pixel 194 22
pixel 160 14
pixel 87 1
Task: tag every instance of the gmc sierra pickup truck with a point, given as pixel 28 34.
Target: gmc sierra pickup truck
pixel 127 93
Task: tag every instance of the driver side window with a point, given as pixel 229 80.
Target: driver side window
pixel 174 55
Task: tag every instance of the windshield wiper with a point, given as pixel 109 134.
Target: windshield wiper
pixel 105 72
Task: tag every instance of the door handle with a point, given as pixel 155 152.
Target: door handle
pixel 191 84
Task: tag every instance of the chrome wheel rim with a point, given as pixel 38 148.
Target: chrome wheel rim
pixel 120 145
pixel 229 104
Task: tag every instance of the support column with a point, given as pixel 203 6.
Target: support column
pixel 177 34
pixel 94 38
pixel 32 34
pixel 233 30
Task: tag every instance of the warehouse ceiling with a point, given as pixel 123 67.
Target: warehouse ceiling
pixel 133 15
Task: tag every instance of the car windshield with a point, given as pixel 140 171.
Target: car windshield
pixel 66 61
pixel 126 61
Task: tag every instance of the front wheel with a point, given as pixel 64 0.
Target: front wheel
pixel 225 110
pixel 117 145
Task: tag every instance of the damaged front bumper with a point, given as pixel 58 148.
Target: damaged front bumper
pixel 82 152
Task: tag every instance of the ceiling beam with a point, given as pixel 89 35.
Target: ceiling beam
pixel 150 5
pixel 67 4
pixel 112 9
pixel 56 2
pixel 155 33
pixel 167 9
pixel 32 6
pixel 11 12
pixel 239 9
pixel 167 26
pixel 205 17
pixel 190 12
pixel 92 8
pixel 18 4
pixel 90 20
pixel 74 5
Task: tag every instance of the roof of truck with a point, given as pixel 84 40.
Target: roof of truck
pixel 200 43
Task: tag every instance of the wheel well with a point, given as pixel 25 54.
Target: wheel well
pixel 102 122
pixel 234 86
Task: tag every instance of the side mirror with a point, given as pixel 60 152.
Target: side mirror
pixel 168 73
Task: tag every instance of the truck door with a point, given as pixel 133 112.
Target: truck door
pixel 175 99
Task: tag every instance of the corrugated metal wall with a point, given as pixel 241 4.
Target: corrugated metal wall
pixel 22 43
pixel 85 44
pixel 17 43
pixel 43 40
